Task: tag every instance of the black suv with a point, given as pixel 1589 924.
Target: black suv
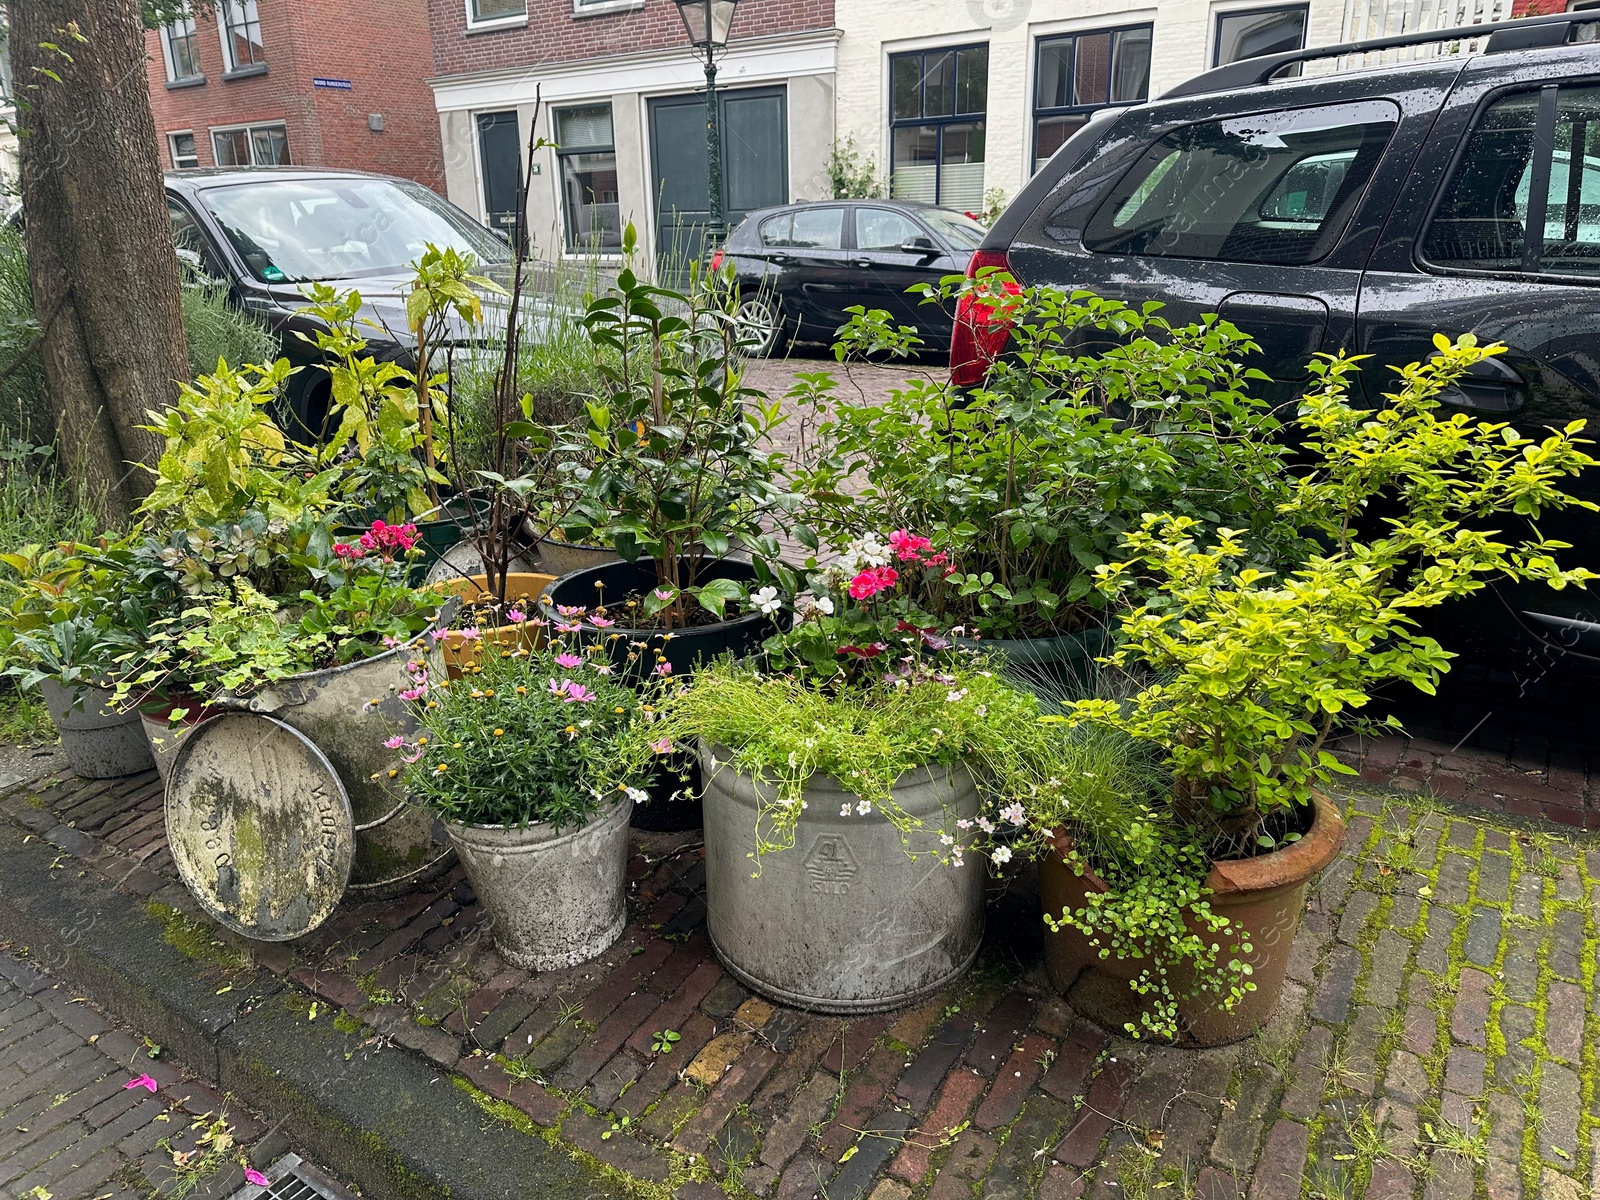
pixel 1362 210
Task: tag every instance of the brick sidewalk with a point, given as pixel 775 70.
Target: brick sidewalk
pixel 71 1129
pixel 1435 1039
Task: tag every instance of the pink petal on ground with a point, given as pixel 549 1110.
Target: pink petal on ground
pixel 143 1081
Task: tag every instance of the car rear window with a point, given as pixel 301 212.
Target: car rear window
pixel 805 228
pixel 1268 188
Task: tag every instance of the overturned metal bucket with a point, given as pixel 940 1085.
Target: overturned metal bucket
pixel 348 712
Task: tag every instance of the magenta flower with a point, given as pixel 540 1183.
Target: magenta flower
pixel 394 743
pixel 345 550
pixel 568 660
pixel 143 1081
pixel 577 694
pixel 516 616
pixel 663 669
pixel 908 547
pixel 251 1175
pixel 872 581
pixel 416 693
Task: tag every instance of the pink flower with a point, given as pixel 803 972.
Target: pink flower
pixel 390 642
pixel 664 746
pixel 516 616
pixel 568 661
pixel 565 628
pixel 251 1175
pixel 345 550
pixel 601 622
pixel 571 610
pixel 143 1081
pixel 663 669
pixel 603 669
pixel 416 693
pixel 471 634
pixel 663 594
pixel 936 560
pixel 576 693
pixel 872 581
pixel 411 758
pixel 908 547
pixel 394 743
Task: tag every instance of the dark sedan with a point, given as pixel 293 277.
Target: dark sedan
pixel 801 266
pixel 264 233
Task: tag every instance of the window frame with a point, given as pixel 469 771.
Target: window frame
pixel 1549 93
pixel 250 129
pixel 231 67
pixel 1072 110
pixel 172 148
pixel 939 122
pixel 1258 10
pixel 561 152
pixel 513 20
pixel 170 57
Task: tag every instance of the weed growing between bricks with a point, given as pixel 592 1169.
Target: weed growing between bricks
pixel 1434 1038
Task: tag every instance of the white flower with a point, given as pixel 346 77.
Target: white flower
pixel 982 710
pixel 985 824
pixel 864 808
pixel 637 795
pixel 953 696
pixel 825 605
pixel 767 600
pixel 946 840
pixel 844 809
pixel 794 760
pixel 963 823
pixel 1001 854
pixel 1013 813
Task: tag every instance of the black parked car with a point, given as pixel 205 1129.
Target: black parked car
pixel 1364 210
pixel 264 232
pixel 800 266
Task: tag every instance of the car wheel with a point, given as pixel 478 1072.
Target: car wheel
pixel 760 326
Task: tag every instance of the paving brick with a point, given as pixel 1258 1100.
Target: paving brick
pixel 1564 1021
pixel 789 1132
pixel 1470 1020
pixel 1282 1164
pixel 1000 1031
pixel 1463 1071
pixel 865 1095
pixel 1013 1082
pixel 1331 1003
pixel 738 1084
pixel 631 1016
pixel 1304 1095
pixel 881 1138
pixel 1560 1112
pixel 933 1062
pixel 1100 1108
pixel 1391 1180
pixel 1239 1130
pixel 968 1163
pixel 961 1089
pixel 1066 1077
pixel 674 1014
pixel 1390 954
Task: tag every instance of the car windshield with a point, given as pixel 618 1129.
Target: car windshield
pixel 960 230
pixel 299 230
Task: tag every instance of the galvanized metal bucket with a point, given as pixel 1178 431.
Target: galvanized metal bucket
pixel 845 921
pixel 348 712
pixel 99 742
pixel 554 899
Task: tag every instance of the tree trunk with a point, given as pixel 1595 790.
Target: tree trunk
pixel 100 252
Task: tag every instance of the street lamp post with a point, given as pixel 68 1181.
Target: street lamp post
pixel 707 22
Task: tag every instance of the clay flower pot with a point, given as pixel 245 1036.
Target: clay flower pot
pixel 1265 896
pixel 525 587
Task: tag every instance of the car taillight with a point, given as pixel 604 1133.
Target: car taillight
pixel 979 336
pixel 716 260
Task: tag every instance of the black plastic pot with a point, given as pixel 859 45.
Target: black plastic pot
pixel 613 584
pixel 664 813
pixel 1062 666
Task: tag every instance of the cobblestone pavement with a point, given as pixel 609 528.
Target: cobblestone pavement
pixel 70 1128
pixel 1436 1038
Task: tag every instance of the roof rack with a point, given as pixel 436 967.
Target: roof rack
pixel 1525 33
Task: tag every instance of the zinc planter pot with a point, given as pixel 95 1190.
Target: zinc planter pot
pixel 563 558
pixel 348 712
pixel 554 899
pixel 164 738
pixel 524 586
pixel 844 921
pixel 1265 896
pixel 99 742
pixel 1061 664
pixel 685 649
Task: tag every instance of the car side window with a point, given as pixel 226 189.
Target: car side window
pixel 884 229
pixel 194 250
pixel 1511 181
pixel 775 231
pixel 818 228
pixel 1267 188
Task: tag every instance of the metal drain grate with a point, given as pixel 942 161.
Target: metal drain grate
pixel 292 1179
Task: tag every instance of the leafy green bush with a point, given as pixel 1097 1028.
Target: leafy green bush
pixel 216 328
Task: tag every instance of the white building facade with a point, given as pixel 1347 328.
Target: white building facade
pixel 956 102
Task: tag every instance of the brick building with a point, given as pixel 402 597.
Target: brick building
pixel 331 83
pixel 623 95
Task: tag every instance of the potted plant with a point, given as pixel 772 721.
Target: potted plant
pixel 673 469
pixel 842 798
pixel 531 761
pixel 1028 481
pixel 1253 670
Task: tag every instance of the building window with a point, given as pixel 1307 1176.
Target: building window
pixel 179 50
pixel 241 36
pixel 937 102
pixel 1258 31
pixel 1080 72
pixel 183 150
pixel 588 163
pixel 251 146
pixel 496 12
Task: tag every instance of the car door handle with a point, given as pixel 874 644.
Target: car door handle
pixel 863 262
pixel 778 258
pixel 1490 385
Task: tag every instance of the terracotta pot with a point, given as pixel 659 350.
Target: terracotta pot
pixel 1265 896
pixel 524 586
